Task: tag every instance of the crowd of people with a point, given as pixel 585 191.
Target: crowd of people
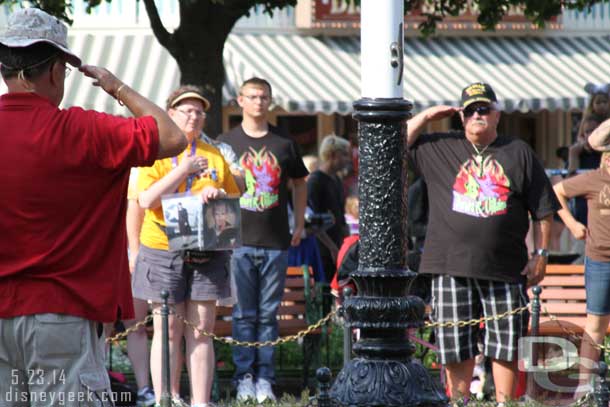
pixel 64 269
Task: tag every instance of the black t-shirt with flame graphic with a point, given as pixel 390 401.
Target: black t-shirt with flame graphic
pixel 268 163
pixel 479 205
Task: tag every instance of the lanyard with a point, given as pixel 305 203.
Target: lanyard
pixel 191 177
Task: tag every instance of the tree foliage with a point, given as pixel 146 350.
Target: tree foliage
pixel 490 11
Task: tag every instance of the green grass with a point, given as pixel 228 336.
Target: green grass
pixel 303 401
pixel 289 362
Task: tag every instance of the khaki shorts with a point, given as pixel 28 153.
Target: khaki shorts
pixel 158 270
pixel 52 360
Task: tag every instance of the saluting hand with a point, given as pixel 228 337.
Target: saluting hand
pixel 440 112
pixel 103 78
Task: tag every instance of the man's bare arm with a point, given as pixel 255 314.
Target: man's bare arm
pixel 600 138
pixel 536 267
pixel 171 139
pixel 417 124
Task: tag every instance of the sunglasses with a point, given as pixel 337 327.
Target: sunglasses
pixel 481 110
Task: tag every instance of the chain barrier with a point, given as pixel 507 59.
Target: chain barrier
pixel 229 341
pixel 126 332
pixel 573 334
pixel 585 400
pixel 474 322
pixel 330 315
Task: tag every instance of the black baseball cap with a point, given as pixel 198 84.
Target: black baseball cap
pixel 478 92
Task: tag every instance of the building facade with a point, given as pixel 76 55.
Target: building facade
pixel 311 55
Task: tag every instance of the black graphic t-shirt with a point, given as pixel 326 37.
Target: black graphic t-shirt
pixel 268 163
pixel 479 205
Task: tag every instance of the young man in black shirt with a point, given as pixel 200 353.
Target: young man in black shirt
pixel 259 266
pixel 482 188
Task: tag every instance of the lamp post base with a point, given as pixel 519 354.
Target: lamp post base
pixel 366 382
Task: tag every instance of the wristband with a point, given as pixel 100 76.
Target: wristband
pixel 541 252
pixel 117 95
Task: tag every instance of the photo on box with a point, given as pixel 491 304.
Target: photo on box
pixel 194 225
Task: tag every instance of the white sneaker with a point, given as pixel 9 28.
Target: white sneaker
pixel 178 402
pixel 245 388
pixel 146 397
pixel 264 391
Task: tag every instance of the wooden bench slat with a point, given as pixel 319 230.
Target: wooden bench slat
pixel 563 281
pixel 296 283
pixel 295 271
pixel 553 269
pixel 562 294
pixel 565 308
pixel 296 296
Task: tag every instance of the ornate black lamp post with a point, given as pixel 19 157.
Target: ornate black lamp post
pixel 383 373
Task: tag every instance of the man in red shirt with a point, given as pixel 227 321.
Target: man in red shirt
pixel 64 174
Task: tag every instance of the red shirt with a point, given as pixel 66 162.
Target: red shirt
pixel 63 182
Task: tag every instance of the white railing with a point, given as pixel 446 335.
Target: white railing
pixel 595 19
pixel 130 13
pixel 258 19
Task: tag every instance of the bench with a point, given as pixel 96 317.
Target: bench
pixel 563 296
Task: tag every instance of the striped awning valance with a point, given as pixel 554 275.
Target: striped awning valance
pixel 322 74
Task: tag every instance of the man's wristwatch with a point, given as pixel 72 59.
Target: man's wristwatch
pixel 541 252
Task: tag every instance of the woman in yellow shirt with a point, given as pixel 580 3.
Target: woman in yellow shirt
pixel 194 280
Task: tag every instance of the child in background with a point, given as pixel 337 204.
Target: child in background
pixel 352 214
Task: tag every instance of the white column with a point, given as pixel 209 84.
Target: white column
pixel 382 39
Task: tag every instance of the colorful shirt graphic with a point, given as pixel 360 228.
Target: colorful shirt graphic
pixel 263 176
pixel 604 197
pixel 481 188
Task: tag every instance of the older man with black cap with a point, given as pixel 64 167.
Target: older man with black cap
pixel 482 189
pixel 64 173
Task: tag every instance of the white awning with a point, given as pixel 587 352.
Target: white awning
pixel 322 74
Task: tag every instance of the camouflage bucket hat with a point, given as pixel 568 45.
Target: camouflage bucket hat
pixel 30 26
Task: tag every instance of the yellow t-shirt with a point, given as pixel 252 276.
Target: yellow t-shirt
pixel 152 235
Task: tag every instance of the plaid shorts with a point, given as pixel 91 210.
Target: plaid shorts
pixel 461 298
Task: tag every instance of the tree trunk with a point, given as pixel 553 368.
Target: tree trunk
pixel 197 46
pixel 204 67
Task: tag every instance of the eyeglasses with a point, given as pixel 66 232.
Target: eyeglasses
pixel 68 70
pixel 481 110
pixel 197 113
pixel 252 98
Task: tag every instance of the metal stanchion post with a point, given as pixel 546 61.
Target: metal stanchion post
pixel 536 307
pixel 166 397
pixel 536 290
pixel 601 387
pixel 347 331
pixel 323 375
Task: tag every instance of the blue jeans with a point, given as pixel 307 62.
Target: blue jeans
pixel 259 275
pixel 597 286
